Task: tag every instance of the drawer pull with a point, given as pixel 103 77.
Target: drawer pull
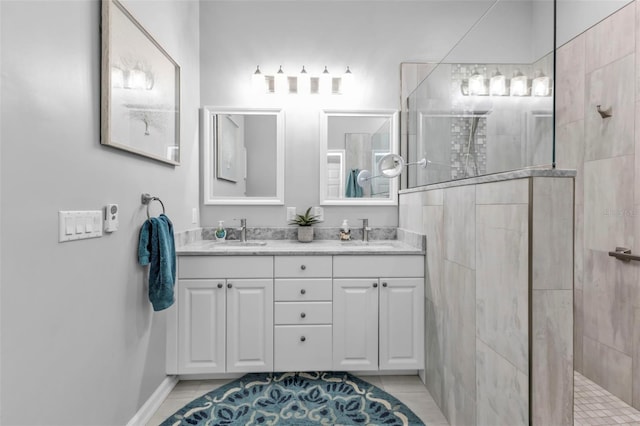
pixel 302 315
pixel 384 284
pixel 303 267
pixel 229 285
pixel 302 339
pixel 375 285
pixel 303 291
pixel 219 285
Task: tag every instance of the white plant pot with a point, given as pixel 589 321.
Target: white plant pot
pixel 305 234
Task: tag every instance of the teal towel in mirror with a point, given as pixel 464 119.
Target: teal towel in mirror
pixel 353 189
pixel 156 248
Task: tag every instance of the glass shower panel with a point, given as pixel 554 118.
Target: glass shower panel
pixel 488 107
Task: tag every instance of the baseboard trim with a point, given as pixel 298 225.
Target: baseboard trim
pixel 148 409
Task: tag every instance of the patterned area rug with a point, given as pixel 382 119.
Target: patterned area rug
pixel 295 399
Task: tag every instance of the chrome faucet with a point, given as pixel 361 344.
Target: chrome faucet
pixel 243 230
pixel 365 229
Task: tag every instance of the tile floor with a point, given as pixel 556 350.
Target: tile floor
pixel 595 406
pixel 592 404
pixel 408 389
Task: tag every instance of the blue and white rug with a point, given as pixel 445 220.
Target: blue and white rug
pixel 302 399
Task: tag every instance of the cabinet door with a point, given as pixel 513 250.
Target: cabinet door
pixel 201 326
pixel 249 325
pixel 355 324
pixel 401 323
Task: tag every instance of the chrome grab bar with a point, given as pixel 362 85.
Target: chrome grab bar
pixel 624 254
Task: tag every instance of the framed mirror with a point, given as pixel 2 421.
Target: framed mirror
pixel 352 141
pixel 243 156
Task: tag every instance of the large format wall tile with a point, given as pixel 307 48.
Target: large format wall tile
pixel 460 225
pixel 459 295
pixel 502 280
pixel 570 153
pixel 578 330
pixel 608 203
pixel 433 351
pixel 611 39
pixel 502 390
pixel 636 359
pixel 552 245
pixel 514 191
pixel 433 224
pixel 637 155
pixel 578 248
pixel 609 87
pixel 610 294
pixel 459 407
pixel 552 357
pixel 410 213
pixel 609 368
pixel 570 74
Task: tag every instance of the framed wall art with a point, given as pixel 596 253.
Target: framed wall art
pixel 140 108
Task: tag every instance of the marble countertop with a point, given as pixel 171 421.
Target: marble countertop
pixel 293 247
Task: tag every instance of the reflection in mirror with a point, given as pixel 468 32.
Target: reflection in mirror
pixel 243 156
pixel 352 142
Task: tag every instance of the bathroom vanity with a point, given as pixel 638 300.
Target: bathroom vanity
pixel 287 306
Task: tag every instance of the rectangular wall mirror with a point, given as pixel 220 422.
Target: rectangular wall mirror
pixel 243 156
pixel 352 141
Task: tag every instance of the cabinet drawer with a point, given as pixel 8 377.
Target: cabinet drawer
pixel 225 266
pixel 302 266
pixel 302 348
pixel 300 313
pixel 378 266
pixel 291 290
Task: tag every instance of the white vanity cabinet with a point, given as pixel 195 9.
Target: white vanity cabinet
pixel 303 313
pixel 224 315
pixel 378 312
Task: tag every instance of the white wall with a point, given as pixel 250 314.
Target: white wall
pixel 80 343
pixel 373 38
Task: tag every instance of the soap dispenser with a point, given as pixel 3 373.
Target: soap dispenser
pixel 345 234
pixel 221 233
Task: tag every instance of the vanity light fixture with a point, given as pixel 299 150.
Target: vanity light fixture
pixel 326 82
pixel 258 81
pixel 302 83
pixel 541 85
pixel 281 82
pixel 346 84
pixel 498 84
pixel 477 84
pixel 519 84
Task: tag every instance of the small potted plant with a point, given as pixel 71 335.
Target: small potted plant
pixel 305 222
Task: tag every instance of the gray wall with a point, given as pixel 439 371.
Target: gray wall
pixel 372 38
pixel 80 343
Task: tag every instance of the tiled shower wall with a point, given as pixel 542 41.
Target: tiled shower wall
pixel 602 67
pixel 498 255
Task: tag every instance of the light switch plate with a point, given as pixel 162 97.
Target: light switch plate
pixel 79 225
pixel 291 213
pixel 318 212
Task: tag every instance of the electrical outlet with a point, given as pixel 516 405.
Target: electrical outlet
pixel 318 212
pixel 291 213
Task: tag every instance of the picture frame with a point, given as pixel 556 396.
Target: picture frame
pixel 140 89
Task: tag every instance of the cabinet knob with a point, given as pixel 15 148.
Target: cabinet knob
pixel 375 285
pixel 302 339
pixel 219 285
pixel 302 315
pixel 384 284
pixel 303 267
pixel 229 285
pixel 303 291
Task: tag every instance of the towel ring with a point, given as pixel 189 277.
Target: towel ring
pixel 147 199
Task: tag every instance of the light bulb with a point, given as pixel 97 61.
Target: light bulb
pixel 498 84
pixel 519 84
pixel 477 85
pixel 281 82
pixel 258 81
pixel 346 85
pixel 325 82
pixel 541 85
pixel 304 82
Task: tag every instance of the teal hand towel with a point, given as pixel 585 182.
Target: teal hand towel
pixel 156 248
pixel 353 190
